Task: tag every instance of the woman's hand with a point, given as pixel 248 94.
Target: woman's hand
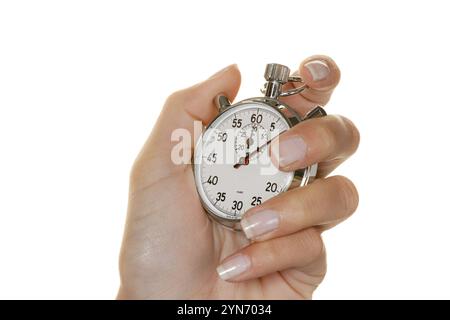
pixel 172 250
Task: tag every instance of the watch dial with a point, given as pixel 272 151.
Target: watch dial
pixel 233 171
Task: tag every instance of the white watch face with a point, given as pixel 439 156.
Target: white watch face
pixel 233 170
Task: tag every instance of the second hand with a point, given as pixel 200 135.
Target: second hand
pixel 249 155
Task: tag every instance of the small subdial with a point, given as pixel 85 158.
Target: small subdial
pixel 248 139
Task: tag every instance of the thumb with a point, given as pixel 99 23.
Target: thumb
pixel 321 75
pixel 180 111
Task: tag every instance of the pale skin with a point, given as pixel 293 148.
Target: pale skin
pixel 171 249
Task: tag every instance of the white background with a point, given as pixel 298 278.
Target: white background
pixel 82 82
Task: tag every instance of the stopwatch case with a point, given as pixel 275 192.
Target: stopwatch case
pixel 301 177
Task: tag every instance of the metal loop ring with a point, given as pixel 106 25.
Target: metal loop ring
pixel 295 90
pixel 290 92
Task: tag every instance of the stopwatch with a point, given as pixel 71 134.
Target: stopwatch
pixel 232 167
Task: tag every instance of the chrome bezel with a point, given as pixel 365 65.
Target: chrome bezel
pixel 299 177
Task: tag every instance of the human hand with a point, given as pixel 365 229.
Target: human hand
pixel 171 249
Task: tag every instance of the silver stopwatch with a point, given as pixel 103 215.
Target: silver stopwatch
pixel 232 167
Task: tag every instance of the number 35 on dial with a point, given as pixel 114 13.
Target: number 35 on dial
pixel 232 167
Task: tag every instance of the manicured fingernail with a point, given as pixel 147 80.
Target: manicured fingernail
pixel 220 72
pixel 288 150
pixel 234 266
pixel 318 69
pixel 260 223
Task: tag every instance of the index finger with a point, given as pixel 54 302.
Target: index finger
pixel 321 75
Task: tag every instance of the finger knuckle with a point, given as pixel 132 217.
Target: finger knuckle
pixel 271 250
pixel 312 243
pixel 327 136
pixel 135 171
pixel 138 169
pixel 350 132
pixel 355 136
pixel 176 97
pixel 347 194
pixel 306 203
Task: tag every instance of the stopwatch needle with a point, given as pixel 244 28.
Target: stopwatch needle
pixel 242 161
pixel 246 160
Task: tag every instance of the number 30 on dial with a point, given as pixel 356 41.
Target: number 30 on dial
pixel 232 169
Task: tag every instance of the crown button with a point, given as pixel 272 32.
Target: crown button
pixel 277 72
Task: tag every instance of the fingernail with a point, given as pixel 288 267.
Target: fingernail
pixel 260 223
pixel 318 69
pixel 234 266
pixel 288 150
pixel 224 70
